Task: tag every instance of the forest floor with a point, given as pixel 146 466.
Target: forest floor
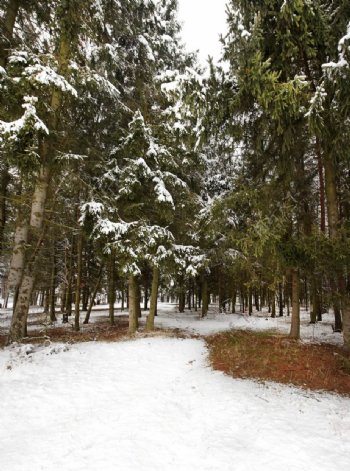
pixel 241 346
pixel 97 399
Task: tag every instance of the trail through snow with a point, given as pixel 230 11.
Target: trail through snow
pixel 155 404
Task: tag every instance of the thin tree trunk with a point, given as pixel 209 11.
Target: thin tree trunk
pixel 4 182
pixel 133 314
pixel 182 299
pixel 154 299
pixel 46 299
pixel 295 324
pixel 93 296
pixel 273 304
pixel 145 301
pixel 313 301
pixel 256 299
pixel 78 282
pixel 205 297
pixel 68 301
pixel 138 302
pixel 234 296
pixel 53 285
pixel 322 187
pixel 111 286
pixel 280 299
pixel 123 298
pixel 250 301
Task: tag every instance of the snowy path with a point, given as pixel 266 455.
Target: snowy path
pixel 214 323
pixel 154 404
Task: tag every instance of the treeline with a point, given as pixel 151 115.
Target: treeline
pixel 126 169
pixel 284 105
pixel 99 175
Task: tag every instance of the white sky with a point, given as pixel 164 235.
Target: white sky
pixel 203 21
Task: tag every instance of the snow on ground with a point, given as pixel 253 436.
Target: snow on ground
pixel 216 322
pixel 154 404
pixel 169 317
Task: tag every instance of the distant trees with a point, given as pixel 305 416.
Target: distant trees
pixel 279 105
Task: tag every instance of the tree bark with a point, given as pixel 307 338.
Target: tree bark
pixel 8 27
pixel 154 299
pixel 205 297
pixel 273 304
pixel 250 301
pixel 93 296
pixel 111 287
pixel 46 152
pixel 78 282
pixel 4 182
pixel 295 324
pixel 133 313
pixel 35 237
pixel 53 285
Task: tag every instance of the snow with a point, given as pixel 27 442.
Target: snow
pixel 162 193
pixel 30 120
pixel 216 322
pixel 46 76
pixel 342 49
pixel 154 404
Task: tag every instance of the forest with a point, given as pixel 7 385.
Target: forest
pixel 128 172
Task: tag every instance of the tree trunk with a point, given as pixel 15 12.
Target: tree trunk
pixel 346 322
pixel 53 285
pixel 322 187
pixel 182 299
pixel 46 299
pixel 18 253
pixel 4 182
pixel 18 328
pixel 123 298
pixel 205 297
pixel 234 297
pixel 7 31
pixel 280 299
pixel 133 312
pixel 111 287
pixel 145 301
pixel 35 237
pixel 295 324
pixel 273 304
pixel 69 279
pixel 138 301
pixel 256 299
pixel 154 298
pixel 78 282
pixel 35 230
pixel 250 301
pixel 93 296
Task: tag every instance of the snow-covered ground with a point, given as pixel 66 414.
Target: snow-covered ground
pixel 155 404
pixel 215 322
pixel 169 317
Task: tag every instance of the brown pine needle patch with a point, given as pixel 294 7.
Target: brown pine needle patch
pixel 271 357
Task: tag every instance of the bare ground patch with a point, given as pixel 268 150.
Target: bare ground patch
pixel 268 356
